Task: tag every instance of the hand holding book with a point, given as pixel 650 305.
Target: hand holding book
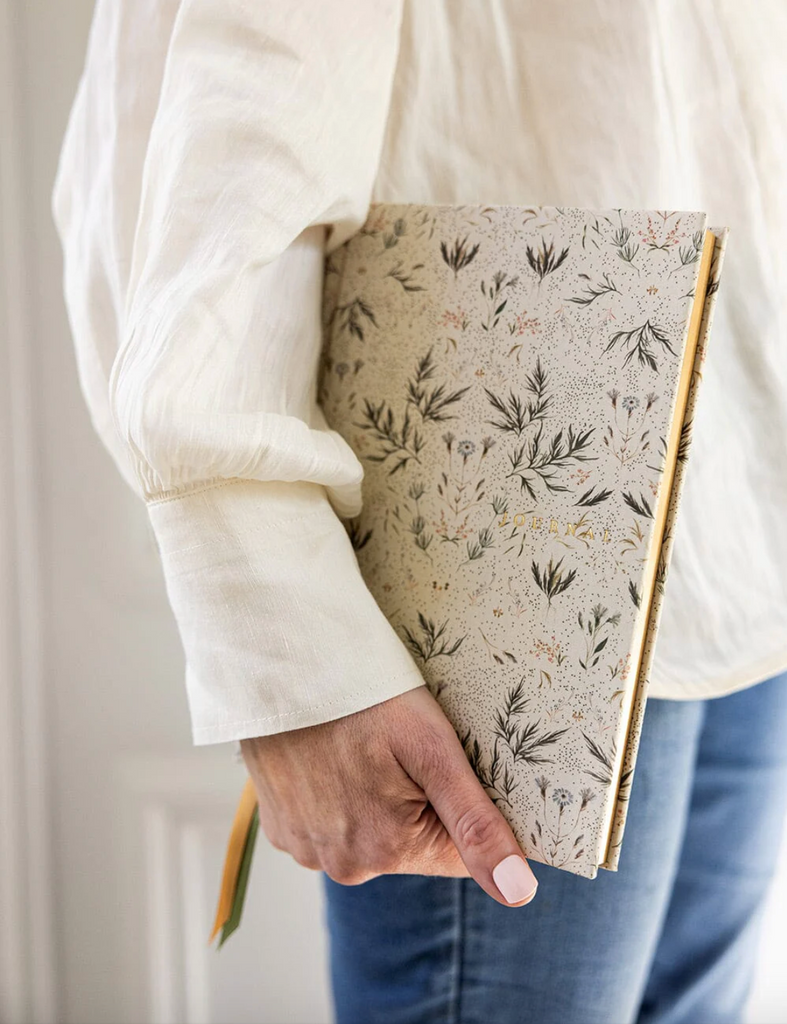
pixel 519 384
pixel 399 798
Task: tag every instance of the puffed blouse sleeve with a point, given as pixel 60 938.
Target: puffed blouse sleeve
pixel 266 124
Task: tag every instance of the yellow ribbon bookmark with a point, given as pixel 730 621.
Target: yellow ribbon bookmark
pixel 236 864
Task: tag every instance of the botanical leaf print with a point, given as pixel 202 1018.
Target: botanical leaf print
pixel 406 277
pixel 604 769
pixel 398 229
pixel 506 377
pixel 592 292
pixel 526 743
pixel 596 625
pixel 627 437
pixel 640 342
pixel 543 259
pixel 459 255
pixel 593 497
pixel 558 838
pixel 540 461
pixel 404 442
pixel 495 304
pixel 354 316
pixel 358 536
pixel 431 402
pixel 516 413
pixel 553 580
pixel 432 642
pixel 685 441
pixel 626 248
pixel 641 507
pixel 496 777
pixel 690 253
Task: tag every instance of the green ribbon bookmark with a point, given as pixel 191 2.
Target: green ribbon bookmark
pixel 233 921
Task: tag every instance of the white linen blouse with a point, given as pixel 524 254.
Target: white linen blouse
pixel 218 149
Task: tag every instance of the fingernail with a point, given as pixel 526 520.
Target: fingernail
pixel 514 879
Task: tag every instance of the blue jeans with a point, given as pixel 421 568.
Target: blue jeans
pixel 670 938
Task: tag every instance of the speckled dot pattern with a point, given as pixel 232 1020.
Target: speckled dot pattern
pixel 507 377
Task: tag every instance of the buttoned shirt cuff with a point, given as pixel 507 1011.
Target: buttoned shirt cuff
pixel 278 626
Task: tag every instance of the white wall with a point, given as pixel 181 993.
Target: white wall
pixel 135 819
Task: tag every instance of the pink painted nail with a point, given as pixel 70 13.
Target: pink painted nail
pixel 514 879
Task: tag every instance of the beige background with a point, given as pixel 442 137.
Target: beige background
pixel 111 824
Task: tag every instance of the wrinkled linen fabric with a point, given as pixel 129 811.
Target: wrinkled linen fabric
pixel 217 150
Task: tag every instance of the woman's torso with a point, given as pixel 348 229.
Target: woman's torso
pixel 641 104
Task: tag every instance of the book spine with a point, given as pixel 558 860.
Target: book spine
pixel 639 702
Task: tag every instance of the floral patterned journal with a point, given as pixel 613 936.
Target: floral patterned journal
pixel 519 385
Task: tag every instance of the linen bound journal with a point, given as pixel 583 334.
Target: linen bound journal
pixel 519 384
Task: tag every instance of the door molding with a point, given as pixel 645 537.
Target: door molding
pixel 169 808
pixel 27 962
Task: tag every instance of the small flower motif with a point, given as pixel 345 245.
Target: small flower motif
pixel 449 439
pixel 497 611
pixel 342 369
pixel 465 448
pixel 577 716
pixel 652 289
pixel 552 651
pixel 524 324
pixel 587 795
pixel 651 398
pixel 629 403
pixel 614 395
pixel 563 798
pixel 458 319
pixel 486 444
pixel 543 784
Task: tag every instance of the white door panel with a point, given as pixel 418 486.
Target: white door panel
pixel 172 832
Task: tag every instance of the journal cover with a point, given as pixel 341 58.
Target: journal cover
pixel 519 384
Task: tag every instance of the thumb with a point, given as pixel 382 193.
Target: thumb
pixel 435 760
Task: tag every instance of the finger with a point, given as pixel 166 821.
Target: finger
pixel 436 761
pixel 449 866
pixel 433 852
